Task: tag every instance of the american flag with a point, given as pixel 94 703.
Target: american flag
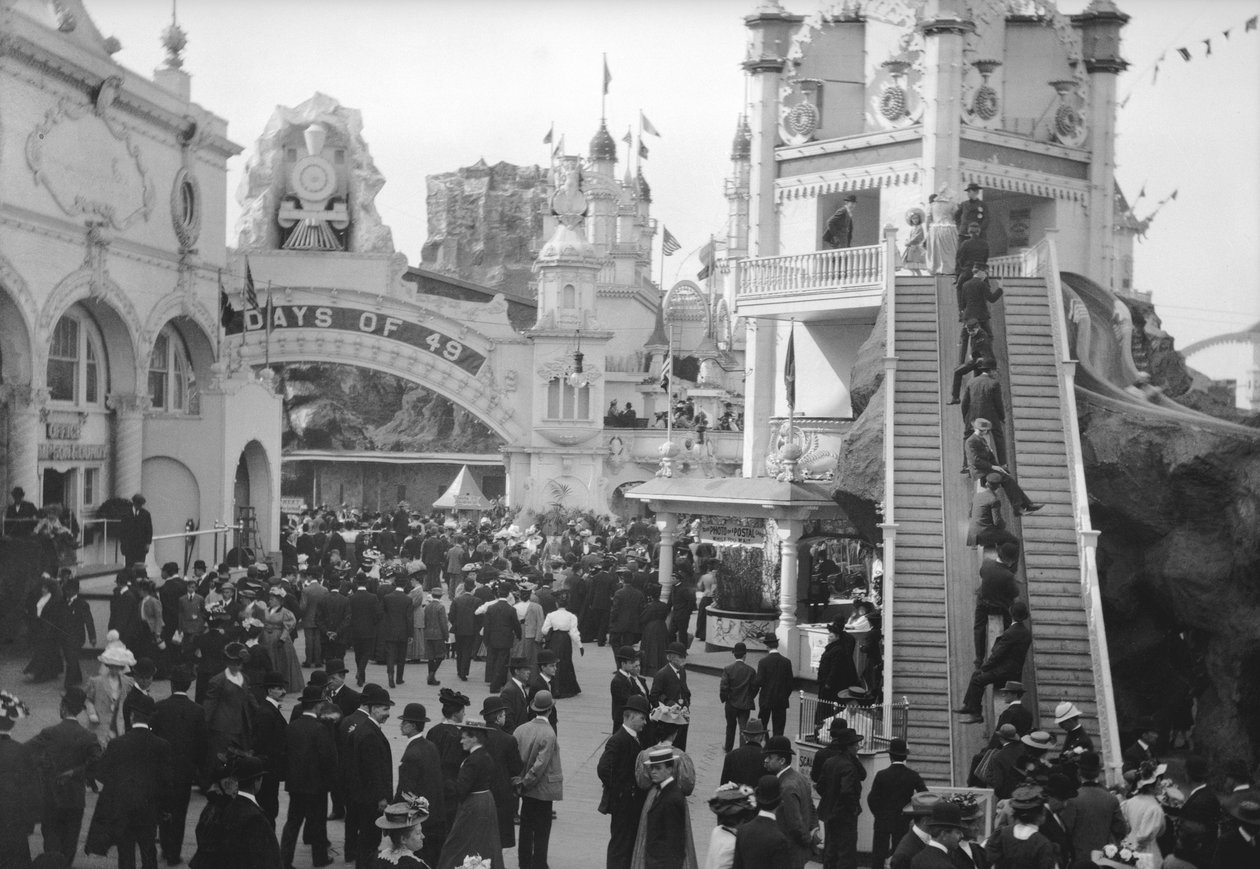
pixel 669 244
pixel 251 294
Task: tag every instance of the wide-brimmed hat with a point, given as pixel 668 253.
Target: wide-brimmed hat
pixel 846 737
pixel 1027 797
pixel 972 186
pixel 542 702
pixel 731 800
pixel 627 653
pixel 375 695
pixel 1149 774
pixel 659 757
pixel 912 212
pixel 1065 711
pixel 492 705
pixel 1012 687
pixel 780 745
pixel 981 424
pixel 921 804
pixel 676 649
pixel 676 715
pixel 415 713
pixel 1243 806
pixel 1038 739
pixel 754 727
pixel 402 816
pixel 235 652
pixel 637 703
pixel 945 814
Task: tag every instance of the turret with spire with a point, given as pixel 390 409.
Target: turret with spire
pixel 171 75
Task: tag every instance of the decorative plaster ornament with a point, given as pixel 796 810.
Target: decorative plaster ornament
pixel 802 120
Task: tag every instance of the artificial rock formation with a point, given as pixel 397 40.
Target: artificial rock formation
pixel 483 222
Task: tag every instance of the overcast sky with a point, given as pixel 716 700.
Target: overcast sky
pixel 442 84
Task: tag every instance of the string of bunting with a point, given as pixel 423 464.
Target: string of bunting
pixel 1187 54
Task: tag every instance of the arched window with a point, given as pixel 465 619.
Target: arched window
pixel 568 296
pixel 172 385
pixel 76 368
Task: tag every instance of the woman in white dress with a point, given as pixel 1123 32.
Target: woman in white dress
pixel 733 804
pixel 1144 813
pixel 942 234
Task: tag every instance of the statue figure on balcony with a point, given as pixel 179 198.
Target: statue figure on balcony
pixel 840 225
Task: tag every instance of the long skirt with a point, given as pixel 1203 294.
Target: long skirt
pixel 942 248
pixel 285 660
pixel 639 859
pixel 474 832
pixel 566 682
pixel 652 647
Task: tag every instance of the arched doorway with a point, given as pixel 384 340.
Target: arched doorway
pixel 251 498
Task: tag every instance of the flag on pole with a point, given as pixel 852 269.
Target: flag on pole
pixel 1251 23
pixel 1208 43
pixel 1226 32
pixel 647 125
pixel 558 151
pixel 607 76
pixel 550 134
pixel 1185 54
pixel 226 312
pixel 706 260
pixel 251 294
pixel 667 371
pixel 789 368
pixel 669 244
pixel 643 150
pixel 1173 195
pixel 627 138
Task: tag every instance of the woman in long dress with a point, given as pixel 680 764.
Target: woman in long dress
pixel 655 622
pixel 914 257
pixel 47 614
pixel 475 831
pixel 560 632
pixel 1143 811
pixel 665 723
pixel 942 234
pixel 278 625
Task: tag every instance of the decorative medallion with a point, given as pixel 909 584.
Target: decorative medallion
pixel 186 208
pixel 985 105
pixel 802 120
pixel 1069 125
pixel 892 102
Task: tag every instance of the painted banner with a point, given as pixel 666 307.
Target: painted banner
pixel 360 321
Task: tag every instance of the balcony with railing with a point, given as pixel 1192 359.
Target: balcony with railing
pixel 811 285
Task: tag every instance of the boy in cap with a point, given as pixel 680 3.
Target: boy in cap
pixel 891 789
pixel 761 843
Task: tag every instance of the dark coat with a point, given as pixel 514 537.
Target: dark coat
pixel 370 766
pixel 182 723
pixel 1019 715
pixel 463 614
pixel 346 699
pixel 840 787
pixel 627 605
pixel 270 729
pixel 836 670
pixel 503 750
pixel 891 790
pixel 1135 754
pixel 332 614
pixel 774 675
pixel 761 844
pixel 502 627
pixel 738 686
pixel 980 458
pixel 365 614
pixel 616 773
pixel 1006 658
pixel 136 534
pixel 665 845
pixel 982 399
pixel 399 617
pixel 311 756
pixel 971 251
pixel 839 231
pixel 906 849
pixel 601 591
pixel 78 623
pixel 135 772
pixel 249 835
pixel 513 695
pixel 744 765
pixel 669 687
pixel 230 709
pixel 67 754
pixel 622 688
pixel 998 586
pixel 420 773
pixel 538 683
pixel 932 858
pixel 976 296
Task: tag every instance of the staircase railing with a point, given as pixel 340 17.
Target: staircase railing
pixel 1042 260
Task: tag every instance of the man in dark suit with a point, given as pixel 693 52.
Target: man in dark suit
pixel 18 811
pixel 891 790
pixel 332 621
pixel 365 619
pixel 973 250
pixel 669 686
pixel 515 693
pixel 946 828
pixel 839 785
pixel 1093 818
pixel 917 837
pixel 665 839
pixel 136 773
pixel 1143 749
pixel 250 837
pixel 760 843
pixel 1015 713
pixel 136 533
pixel 839 232
pixel 997 591
pixel 744 764
pixel 270 729
pixel 737 690
pixel 502 629
pixel 983 461
pixel 982 399
pixel 420 774
pixel 622 800
pixel 463 616
pixel 974 296
pixel 971 210
pixel 143 673
pixel 311 765
pixel 626 682
pixel 599 606
pixel 1239 845
pixel 1005 663
pixel 398 623
pixel 1201 812
pixel 182 723
pixel 369 772
pixel 78 625
pixel 542 681
pixel 20 517
pixel 985 525
pixel 776 681
pixel 623 618
pixel 67 754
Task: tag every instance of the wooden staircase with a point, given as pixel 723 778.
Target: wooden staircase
pixel 1061 661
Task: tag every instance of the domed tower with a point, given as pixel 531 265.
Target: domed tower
pixel 737 191
pixel 600 184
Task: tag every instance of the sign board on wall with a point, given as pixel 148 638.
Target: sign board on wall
pixel 732 529
pixel 292 505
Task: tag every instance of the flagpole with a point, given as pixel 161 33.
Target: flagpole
pixel 267 344
pixel 603 96
pixel 638 153
pixel 792 394
pixel 669 360
pixel 218 331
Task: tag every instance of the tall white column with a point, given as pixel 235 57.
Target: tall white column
pixel 23 404
pixel 789 533
pixel 667 524
pixel 943 36
pixel 129 410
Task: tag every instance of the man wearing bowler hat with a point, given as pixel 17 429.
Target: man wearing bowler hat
pixel 919 809
pixel 541 783
pixel 795 814
pixel 891 789
pixel 839 785
pixel 744 765
pixel 760 843
pixel 270 729
pixel 542 680
pixel 669 686
pixel 420 775
pixel 310 771
pixel 369 773
pixel 515 692
pixel 738 692
pixel 946 829
pixel 626 683
pixel 1093 818
pixel 776 681
pixel 622 800
pixel 250 839
pixel 1012 694
pixel 1004 663
pixel 501 748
